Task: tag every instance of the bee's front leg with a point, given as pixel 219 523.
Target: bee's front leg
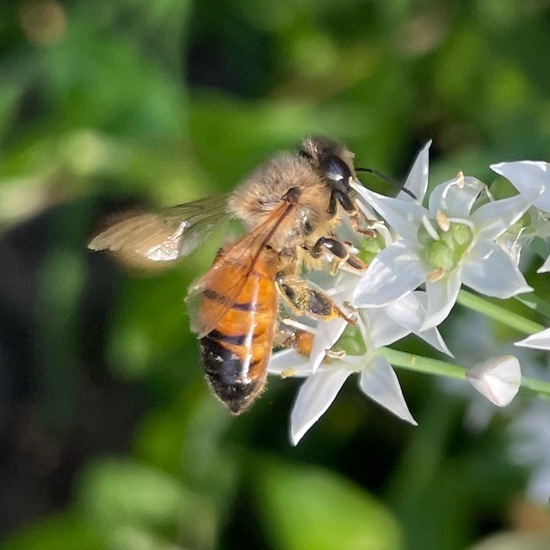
pixel 340 252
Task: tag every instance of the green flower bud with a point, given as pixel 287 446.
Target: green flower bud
pixel 462 236
pixel 370 247
pixel 440 256
pixel 447 252
pixel 352 342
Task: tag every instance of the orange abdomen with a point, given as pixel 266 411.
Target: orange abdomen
pixel 236 352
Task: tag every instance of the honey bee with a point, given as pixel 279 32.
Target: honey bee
pixel 290 207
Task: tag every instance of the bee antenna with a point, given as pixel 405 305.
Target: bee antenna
pixel 387 179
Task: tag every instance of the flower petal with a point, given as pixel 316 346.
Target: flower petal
pixel 394 272
pixel 494 218
pixel 526 176
pixel 490 271
pixel 287 363
pixel 410 312
pixel 315 397
pixel 442 296
pixel 417 180
pixel 433 337
pixel 545 267
pixel 498 379
pixel 380 383
pixel 402 216
pixel 455 197
pixel 326 336
pixel 383 329
pixel 539 340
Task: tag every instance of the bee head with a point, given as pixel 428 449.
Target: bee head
pixel 331 160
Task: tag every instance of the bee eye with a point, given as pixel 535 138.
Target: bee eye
pixel 337 171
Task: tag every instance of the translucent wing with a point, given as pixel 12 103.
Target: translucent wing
pixel 165 236
pixel 229 274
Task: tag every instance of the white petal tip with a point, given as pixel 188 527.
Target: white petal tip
pixel 539 340
pixel 524 289
pixel 296 436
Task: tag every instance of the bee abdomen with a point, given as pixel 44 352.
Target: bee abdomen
pixel 236 352
pixel 227 372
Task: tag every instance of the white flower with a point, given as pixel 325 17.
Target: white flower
pixel 498 379
pixel 527 176
pixel 443 246
pixel 386 325
pixel 328 370
pixel 377 380
pixel 539 340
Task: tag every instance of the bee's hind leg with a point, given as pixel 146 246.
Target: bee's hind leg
pixel 302 298
pixel 290 335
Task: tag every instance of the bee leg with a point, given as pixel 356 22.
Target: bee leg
pixel 341 254
pixel 289 336
pixel 338 250
pixel 304 299
pixel 356 263
pixel 355 215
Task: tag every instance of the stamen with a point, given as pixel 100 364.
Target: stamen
pixel 442 220
pixel 460 180
pixel 436 275
pixel 336 354
pixel 298 325
pixel 432 232
pixel 288 373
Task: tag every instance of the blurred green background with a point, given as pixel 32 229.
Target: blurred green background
pixel 108 435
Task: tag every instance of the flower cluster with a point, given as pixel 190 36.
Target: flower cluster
pixel 424 252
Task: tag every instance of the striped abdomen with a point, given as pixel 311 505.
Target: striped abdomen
pixel 236 352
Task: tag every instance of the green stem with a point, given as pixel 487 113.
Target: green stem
pixel 426 365
pixel 498 313
pixel 536 386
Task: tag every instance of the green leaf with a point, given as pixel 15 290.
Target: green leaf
pixel 115 492
pixel 124 501
pixel 307 507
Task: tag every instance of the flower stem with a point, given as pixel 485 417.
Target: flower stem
pixel 536 386
pixel 426 365
pixel 498 313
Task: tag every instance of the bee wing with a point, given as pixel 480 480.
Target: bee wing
pixel 225 280
pixel 226 275
pixel 165 236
